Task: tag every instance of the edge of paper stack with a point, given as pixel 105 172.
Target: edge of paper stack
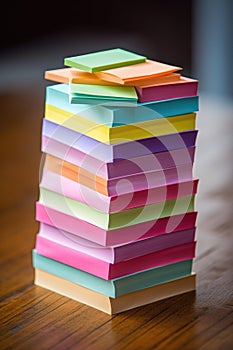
pixel 117 193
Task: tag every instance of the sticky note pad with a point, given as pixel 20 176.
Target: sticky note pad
pixel 136 73
pixel 102 60
pixel 85 93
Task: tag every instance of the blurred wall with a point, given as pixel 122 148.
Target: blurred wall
pixel 212 48
pixel 212 57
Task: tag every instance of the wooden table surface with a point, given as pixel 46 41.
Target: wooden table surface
pixel 34 318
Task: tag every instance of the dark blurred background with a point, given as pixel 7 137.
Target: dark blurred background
pixel 196 35
pixel 159 29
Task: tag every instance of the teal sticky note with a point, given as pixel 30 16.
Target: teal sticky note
pixel 60 96
pixel 102 60
pixel 117 286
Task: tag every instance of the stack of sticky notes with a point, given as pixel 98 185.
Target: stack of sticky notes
pixel 116 206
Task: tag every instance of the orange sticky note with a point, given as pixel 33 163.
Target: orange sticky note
pixel 77 76
pixel 161 80
pixel 62 75
pixel 135 73
pixel 76 173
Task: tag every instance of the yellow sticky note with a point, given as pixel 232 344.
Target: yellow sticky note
pixel 123 133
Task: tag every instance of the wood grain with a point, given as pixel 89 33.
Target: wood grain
pixel 34 318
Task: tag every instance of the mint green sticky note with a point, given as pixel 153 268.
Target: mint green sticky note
pixel 102 60
pixel 84 93
pixel 124 218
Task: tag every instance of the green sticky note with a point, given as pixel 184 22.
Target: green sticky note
pixel 84 93
pixel 120 219
pixel 102 60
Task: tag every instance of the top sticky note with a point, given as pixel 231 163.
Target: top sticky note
pixel 102 60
